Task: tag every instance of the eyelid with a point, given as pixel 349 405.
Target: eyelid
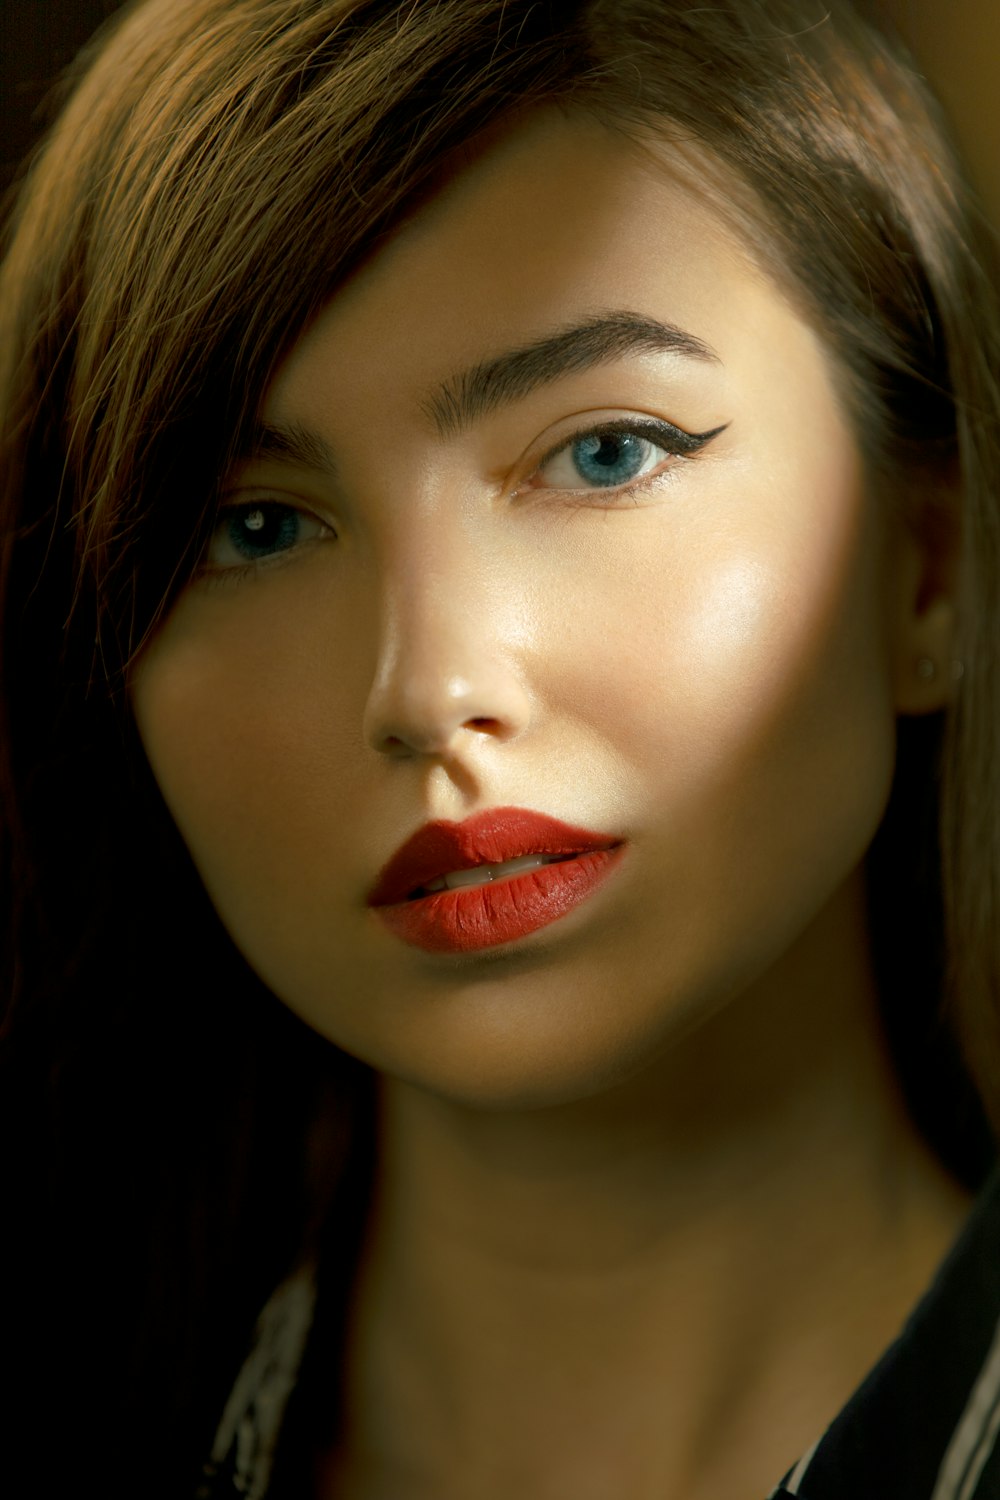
pixel 240 489
pixel 245 497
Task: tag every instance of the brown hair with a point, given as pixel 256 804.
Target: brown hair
pixel 219 167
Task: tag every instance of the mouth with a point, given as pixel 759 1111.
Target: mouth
pixel 490 848
pixel 492 879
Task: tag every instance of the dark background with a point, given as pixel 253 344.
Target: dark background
pixel 37 40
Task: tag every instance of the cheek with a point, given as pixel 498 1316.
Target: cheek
pixel 243 717
pixel 752 707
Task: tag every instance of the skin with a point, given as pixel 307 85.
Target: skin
pixel 572 1281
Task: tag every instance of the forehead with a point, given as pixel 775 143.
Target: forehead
pixel 556 220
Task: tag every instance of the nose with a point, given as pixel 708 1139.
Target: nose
pixel 447 664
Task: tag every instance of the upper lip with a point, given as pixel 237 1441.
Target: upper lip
pixel 488 838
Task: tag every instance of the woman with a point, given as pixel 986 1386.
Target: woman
pixel 499 558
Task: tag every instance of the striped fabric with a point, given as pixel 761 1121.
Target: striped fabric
pixel 924 1425
pixel 243 1451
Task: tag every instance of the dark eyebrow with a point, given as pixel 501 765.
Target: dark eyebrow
pixel 463 398
pixel 289 442
pixel 494 382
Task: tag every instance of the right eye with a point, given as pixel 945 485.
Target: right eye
pixel 256 530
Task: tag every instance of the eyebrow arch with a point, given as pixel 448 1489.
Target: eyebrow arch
pixel 508 377
pixel 290 443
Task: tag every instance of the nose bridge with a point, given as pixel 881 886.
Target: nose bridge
pixel 446 659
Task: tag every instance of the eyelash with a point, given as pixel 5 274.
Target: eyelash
pixel 674 441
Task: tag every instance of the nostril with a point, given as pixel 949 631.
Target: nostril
pixel 416 709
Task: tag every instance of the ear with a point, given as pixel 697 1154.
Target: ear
pixel 925 672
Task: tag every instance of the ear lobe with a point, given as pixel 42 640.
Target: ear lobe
pixel 926 673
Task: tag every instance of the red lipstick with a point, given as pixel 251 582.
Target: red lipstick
pixel 503 907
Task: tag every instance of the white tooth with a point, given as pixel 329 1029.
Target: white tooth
pixel 515 866
pixel 483 874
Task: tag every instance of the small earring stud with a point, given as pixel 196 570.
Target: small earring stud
pixel 957 669
pixel 926 668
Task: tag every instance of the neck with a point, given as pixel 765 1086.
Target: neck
pixel 732 1236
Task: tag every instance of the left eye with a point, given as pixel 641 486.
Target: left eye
pixel 259 529
pixel 600 458
pixel 616 454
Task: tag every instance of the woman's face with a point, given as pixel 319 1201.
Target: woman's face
pixel 451 580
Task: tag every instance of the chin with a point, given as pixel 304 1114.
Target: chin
pixel 503 1057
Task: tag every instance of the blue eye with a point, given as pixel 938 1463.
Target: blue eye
pixel 610 457
pixel 616 454
pixel 257 530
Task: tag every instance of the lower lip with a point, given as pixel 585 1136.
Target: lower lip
pixel 481 916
